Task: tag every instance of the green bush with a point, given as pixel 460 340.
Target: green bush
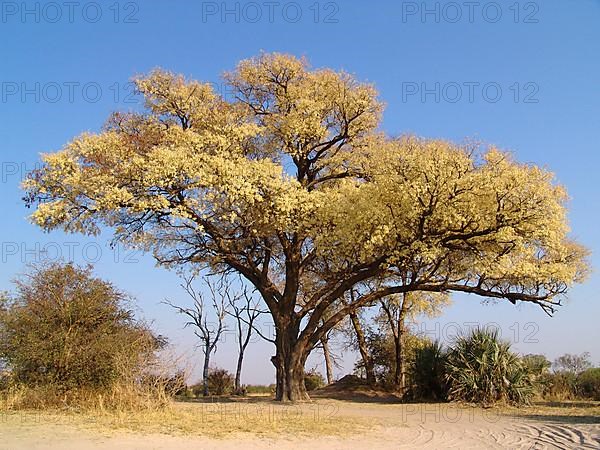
pixel 383 353
pixel 220 382
pixel 558 386
pixel 537 365
pixel 313 380
pixel 66 329
pixel 427 372
pixel 260 389
pixel 588 383
pixel 482 369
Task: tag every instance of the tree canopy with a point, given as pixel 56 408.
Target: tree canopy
pixel 292 185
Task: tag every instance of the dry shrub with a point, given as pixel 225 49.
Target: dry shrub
pixel 133 391
pixel 220 382
pixel 70 340
pixel 558 386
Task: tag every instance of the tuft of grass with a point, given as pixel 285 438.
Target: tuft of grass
pixel 120 397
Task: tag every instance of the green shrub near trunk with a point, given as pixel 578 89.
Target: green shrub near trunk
pixel 427 372
pixel 220 382
pixel 313 380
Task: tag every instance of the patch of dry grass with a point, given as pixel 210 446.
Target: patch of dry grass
pixel 571 411
pixel 259 417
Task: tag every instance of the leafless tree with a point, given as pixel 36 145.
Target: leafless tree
pixel 244 308
pixel 208 331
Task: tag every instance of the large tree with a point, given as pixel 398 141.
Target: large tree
pixel 291 185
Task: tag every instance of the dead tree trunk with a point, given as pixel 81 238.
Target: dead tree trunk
pixel 198 319
pixel 205 370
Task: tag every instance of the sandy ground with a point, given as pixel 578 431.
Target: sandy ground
pixel 429 426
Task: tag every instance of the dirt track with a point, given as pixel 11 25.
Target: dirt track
pixel 430 426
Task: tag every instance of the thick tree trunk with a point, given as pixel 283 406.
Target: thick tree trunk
pixel 328 360
pixel 289 365
pixel 363 349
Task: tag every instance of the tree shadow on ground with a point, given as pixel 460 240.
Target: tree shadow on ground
pixel 569 412
pixel 228 399
pixel 564 419
pixel 349 396
pixel 569 404
pixel 356 396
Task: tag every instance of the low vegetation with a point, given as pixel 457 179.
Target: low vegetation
pixel 481 368
pixel 588 383
pixel 68 339
pixel 313 380
pixel 258 389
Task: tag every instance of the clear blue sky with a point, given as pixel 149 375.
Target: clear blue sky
pixel 524 76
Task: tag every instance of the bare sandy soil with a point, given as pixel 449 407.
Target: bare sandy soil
pixel 373 425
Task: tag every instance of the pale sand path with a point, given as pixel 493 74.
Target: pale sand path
pixel 394 426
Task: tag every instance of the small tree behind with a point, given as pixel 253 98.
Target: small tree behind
pixel 396 311
pixel 356 337
pixel 330 360
pixel 245 309
pixel 574 364
pixel 313 380
pixel 208 331
pixel 220 381
pixel 536 364
pixel 588 383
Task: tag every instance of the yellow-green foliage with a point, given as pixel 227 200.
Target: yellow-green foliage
pixel 198 178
